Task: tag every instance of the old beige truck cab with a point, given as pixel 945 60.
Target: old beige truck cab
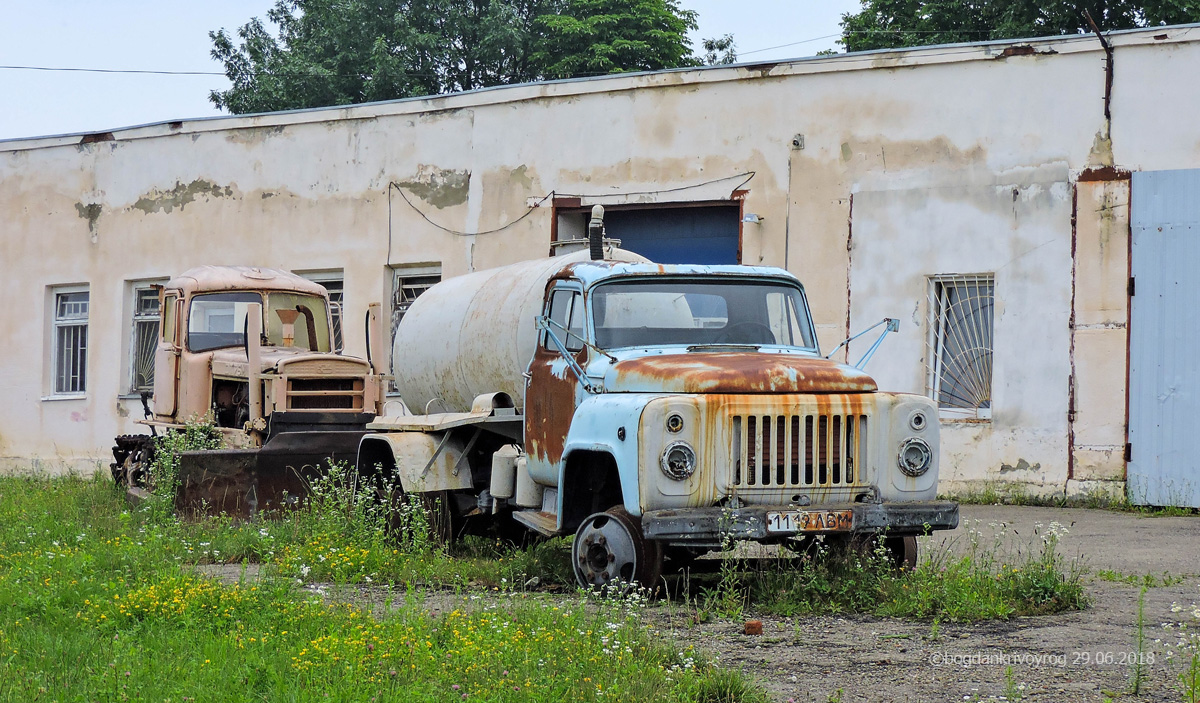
pixel 251 351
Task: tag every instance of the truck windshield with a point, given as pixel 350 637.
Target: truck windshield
pixel 218 320
pixel 309 316
pixel 699 312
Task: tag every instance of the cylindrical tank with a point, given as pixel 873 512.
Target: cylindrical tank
pixel 504 471
pixel 475 334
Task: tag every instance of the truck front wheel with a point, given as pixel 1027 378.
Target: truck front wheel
pixel 610 546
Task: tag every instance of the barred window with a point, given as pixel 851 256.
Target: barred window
pixel 959 366
pixel 70 341
pixel 407 286
pixel 408 283
pixel 145 338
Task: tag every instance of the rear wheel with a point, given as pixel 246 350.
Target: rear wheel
pixel 610 546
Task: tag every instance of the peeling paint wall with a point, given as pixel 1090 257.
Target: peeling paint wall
pixel 1101 331
pixel 914 163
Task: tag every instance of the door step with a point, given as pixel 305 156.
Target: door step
pixel 543 522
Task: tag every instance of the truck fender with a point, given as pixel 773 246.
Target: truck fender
pixel 407 456
pixel 599 423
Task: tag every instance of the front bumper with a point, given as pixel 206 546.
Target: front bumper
pixel 712 526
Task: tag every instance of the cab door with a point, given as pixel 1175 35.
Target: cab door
pixel 166 356
pixel 552 390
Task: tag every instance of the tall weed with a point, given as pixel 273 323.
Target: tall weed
pixel 979 580
pixel 196 435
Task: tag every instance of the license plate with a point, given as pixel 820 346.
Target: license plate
pixel 810 521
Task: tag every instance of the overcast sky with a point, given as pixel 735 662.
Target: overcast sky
pixel 168 35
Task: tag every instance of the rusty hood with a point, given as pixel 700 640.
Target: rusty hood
pixel 735 372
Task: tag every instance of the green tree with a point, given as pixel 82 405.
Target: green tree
pixel 719 51
pixel 594 37
pixel 886 24
pixel 339 52
pixel 336 52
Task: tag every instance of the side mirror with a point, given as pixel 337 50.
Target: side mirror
pixel 893 325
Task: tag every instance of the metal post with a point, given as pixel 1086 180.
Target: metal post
pixel 254 358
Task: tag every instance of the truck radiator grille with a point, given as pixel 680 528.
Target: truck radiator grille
pixel 325 394
pixel 798 451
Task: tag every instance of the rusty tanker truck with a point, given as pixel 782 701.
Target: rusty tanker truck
pixel 250 350
pixel 655 412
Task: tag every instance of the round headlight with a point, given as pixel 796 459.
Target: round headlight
pixel 915 457
pixel 678 461
pixel 674 423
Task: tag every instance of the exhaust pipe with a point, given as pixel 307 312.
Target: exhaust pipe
pixel 596 233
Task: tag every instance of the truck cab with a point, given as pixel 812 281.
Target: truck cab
pixel 250 350
pixel 695 406
pixel 653 411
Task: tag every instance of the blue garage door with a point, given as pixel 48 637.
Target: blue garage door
pixel 685 235
pixel 1164 376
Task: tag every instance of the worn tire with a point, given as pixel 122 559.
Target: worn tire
pixel 610 546
pixel 903 551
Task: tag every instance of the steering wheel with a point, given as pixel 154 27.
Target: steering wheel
pixel 737 333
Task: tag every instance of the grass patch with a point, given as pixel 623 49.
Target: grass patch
pixel 101 602
pixel 976 580
pixel 1002 493
pixel 1145 580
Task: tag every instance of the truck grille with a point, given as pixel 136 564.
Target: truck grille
pixel 798 451
pixel 325 394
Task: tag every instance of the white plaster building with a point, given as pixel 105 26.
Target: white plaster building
pixel 977 192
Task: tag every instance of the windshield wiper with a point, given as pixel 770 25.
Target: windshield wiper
pixel 724 345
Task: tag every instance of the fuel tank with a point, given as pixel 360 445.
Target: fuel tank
pixel 475 334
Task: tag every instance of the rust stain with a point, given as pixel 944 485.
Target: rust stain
pixel 97 137
pixel 1103 173
pixel 549 407
pixel 738 372
pixel 1071 326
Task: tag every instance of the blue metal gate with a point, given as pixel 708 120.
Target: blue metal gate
pixel 1164 345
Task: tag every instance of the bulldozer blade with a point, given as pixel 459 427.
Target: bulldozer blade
pixel 244 482
pixel 218 481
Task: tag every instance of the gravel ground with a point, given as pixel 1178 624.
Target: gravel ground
pixel 1078 656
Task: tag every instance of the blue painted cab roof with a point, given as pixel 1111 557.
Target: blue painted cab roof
pixel 591 273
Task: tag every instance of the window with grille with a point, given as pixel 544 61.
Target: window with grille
pixel 959 373
pixel 70 341
pixel 407 285
pixel 145 338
